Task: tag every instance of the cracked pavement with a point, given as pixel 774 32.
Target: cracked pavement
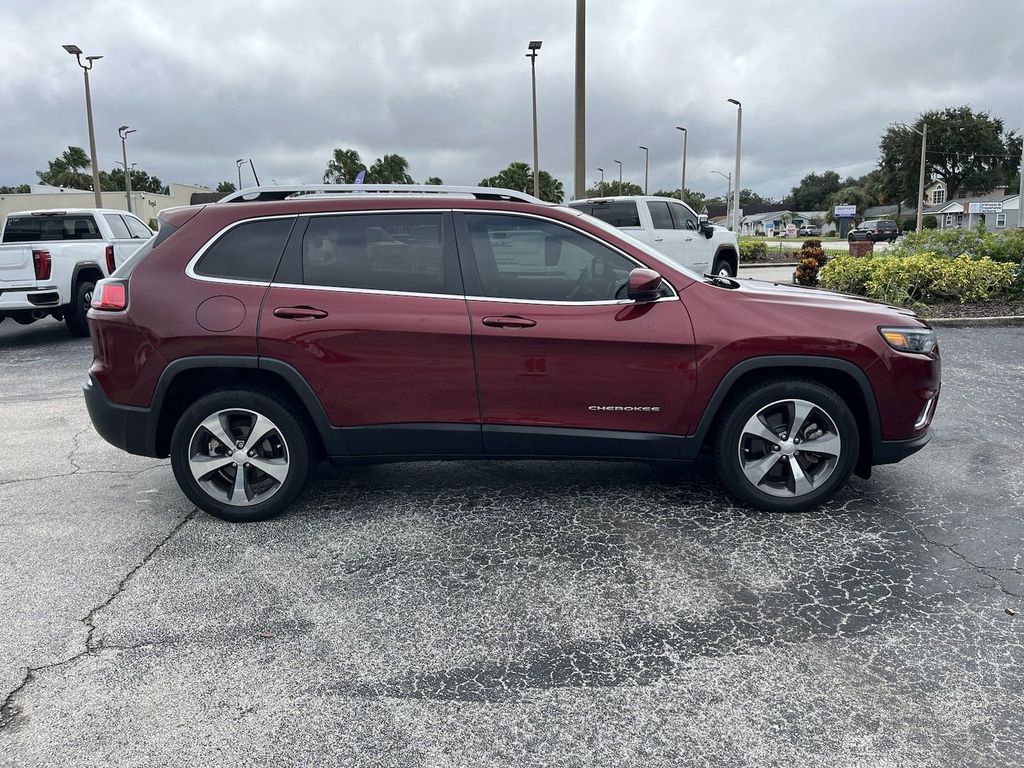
pixel 527 613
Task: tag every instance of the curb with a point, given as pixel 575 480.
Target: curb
pixel 1005 321
pixel 744 265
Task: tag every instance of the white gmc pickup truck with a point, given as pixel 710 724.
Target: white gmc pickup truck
pixel 670 226
pixel 50 261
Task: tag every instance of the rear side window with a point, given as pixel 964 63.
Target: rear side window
pixel 385 252
pixel 137 228
pixel 618 213
pixel 660 215
pixel 28 229
pixel 248 251
pixel 166 230
pixel 117 226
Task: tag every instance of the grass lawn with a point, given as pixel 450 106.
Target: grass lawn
pixel 800 240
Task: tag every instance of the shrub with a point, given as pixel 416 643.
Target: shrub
pixel 909 225
pixel 812 244
pixel 923 278
pixel 806 272
pixel 1002 246
pixel 929 222
pixel 753 250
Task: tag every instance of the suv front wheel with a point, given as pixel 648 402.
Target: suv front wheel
pixel 787 446
pixel 240 455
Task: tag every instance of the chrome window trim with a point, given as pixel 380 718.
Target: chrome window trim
pixel 371 291
pixel 190 267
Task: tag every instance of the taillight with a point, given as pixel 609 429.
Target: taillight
pixel 109 253
pixel 110 295
pixel 42 264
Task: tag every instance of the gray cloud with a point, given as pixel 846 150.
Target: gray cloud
pixel 446 83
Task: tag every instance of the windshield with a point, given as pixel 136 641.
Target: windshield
pixel 638 244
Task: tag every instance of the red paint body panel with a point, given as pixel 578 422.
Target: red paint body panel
pixel 580 356
pixel 377 358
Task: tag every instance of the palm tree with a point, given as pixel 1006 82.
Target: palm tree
pixel 390 169
pixel 343 167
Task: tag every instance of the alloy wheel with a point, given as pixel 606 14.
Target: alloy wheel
pixel 789 448
pixel 238 457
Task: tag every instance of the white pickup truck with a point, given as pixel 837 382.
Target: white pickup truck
pixel 50 261
pixel 670 226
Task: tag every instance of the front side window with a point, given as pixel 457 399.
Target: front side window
pixel 618 213
pixel 249 251
pixel 401 252
pixel 683 217
pixel 660 215
pixel 523 258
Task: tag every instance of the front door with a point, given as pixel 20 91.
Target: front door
pixel 667 239
pixel 369 309
pixel 697 248
pixel 565 364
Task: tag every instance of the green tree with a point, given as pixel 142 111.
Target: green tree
pixel 611 189
pixel 21 189
pixel 852 195
pixel 435 180
pixel 390 169
pixel 966 149
pixel 141 181
pixel 343 167
pixel 68 170
pixel 519 177
pixel 813 191
pixel 750 197
pixel 225 188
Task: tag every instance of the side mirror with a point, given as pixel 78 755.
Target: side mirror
pixel 706 229
pixel 644 285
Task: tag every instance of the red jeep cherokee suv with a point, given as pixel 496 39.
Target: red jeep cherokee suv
pixel 252 337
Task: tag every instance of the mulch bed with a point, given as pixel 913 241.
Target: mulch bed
pixel 786 257
pixel 985 309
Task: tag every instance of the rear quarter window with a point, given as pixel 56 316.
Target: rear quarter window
pixel 248 251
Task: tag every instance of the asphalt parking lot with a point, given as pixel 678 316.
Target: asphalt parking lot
pixel 540 614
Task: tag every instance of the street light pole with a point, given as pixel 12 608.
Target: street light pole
pixel 600 187
pixel 75 51
pixel 123 132
pixel 736 184
pixel 647 157
pixel 580 180
pixel 238 166
pixel 728 194
pixel 532 56
pixel 682 184
pixel 620 174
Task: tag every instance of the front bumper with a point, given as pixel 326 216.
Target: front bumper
pixel 128 427
pixel 892 451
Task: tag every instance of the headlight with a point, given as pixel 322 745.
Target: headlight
pixel 919 340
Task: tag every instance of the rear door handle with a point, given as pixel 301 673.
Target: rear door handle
pixel 300 313
pixel 658 239
pixel 508 321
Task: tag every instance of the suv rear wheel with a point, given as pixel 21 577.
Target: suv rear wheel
pixel 240 455
pixel 787 446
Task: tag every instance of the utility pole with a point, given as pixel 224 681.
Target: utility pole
pixel 920 181
pixel 532 56
pixel 580 179
pixel 736 177
pixel 647 157
pixel 75 51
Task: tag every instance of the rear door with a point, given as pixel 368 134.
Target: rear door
pixel 566 366
pixel 369 309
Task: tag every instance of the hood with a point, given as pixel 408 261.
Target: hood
pixel 790 294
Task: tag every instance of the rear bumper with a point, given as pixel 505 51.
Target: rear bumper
pixel 892 451
pixel 17 299
pixel 128 427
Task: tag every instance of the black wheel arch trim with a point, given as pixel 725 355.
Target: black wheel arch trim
pixel 726 247
pixel 85 265
pixel 810 362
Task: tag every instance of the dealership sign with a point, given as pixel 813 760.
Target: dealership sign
pixel 845 211
pixel 988 206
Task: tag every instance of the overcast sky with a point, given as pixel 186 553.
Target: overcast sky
pixel 446 83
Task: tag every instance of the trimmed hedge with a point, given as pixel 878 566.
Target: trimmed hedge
pixel 977 243
pixel 923 278
pixel 753 250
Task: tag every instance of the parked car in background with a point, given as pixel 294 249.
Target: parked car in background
pixel 875 230
pixel 810 230
pixel 249 339
pixel 670 226
pixel 51 260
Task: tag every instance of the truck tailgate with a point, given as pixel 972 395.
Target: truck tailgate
pixel 16 270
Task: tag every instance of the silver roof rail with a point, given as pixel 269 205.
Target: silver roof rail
pixel 287 191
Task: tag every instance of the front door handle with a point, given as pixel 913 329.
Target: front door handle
pixel 508 321
pixel 658 239
pixel 300 313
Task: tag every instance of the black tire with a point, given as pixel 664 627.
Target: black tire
pixel 75 313
pixel 297 442
pixel 724 265
pixel 829 406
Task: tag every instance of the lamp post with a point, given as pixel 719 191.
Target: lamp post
pixel 123 132
pixel 238 166
pixel 682 184
pixel 647 157
pixel 532 56
pixel 728 195
pixel 600 186
pixel 620 174
pixel 736 176
pixel 75 51
pixel 580 180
